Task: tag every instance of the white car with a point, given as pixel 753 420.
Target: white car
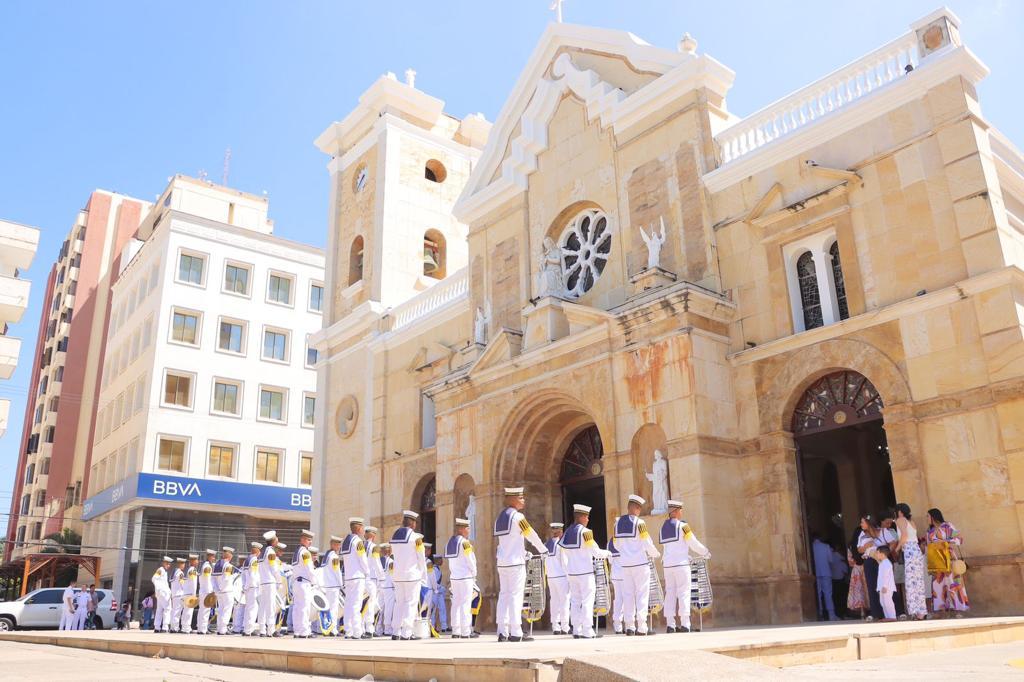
pixel 42 609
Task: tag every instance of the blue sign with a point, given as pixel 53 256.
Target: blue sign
pixel 196 491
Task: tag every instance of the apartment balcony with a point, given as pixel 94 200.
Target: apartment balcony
pixel 13 298
pixel 9 350
pixel 18 244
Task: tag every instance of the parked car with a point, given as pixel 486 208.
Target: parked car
pixel 42 608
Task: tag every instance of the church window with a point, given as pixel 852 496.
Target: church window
pixel 355 261
pixel 435 171
pixel 585 244
pixel 837 278
pixel 810 298
pixel 434 254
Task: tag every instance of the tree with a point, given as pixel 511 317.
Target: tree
pixel 66 541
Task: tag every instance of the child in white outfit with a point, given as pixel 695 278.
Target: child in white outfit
pixel 886 583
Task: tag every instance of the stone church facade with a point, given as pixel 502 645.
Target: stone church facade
pixel 832 324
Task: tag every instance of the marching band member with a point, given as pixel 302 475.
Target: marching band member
pixel 251 588
pixel 373 573
pixel 353 554
pixel 558 583
pixel 177 593
pixel 386 591
pixel 238 606
pixel 678 541
pixel 223 571
pixel 318 582
pixel 205 588
pixel 191 590
pixel 439 613
pixel 269 575
pixel 578 553
pixel 303 580
pixel 462 568
pixel 617 589
pixel 333 581
pixel 162 621
pixel 635 547
pixel 409 562
pixel 511 528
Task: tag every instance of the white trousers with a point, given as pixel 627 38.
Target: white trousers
pixel 636 581
pixel 82 614
pixel 162 621
pixel 334 602
pixel 355 590
pixel 372 606
pixel 176 606
pixel 558 589
pixel 267 618
pixel 677 596
pixel 387 610
pixel 302 596
pixel 512 589
pixel 225 604
pixel 439 615
pixel 238 618
pixel 407 599
pixel 185 621
pixel 67 618
pixel 203 623
pixel 462 607
pixel 252 609
pixel 582 590
pixel 618 599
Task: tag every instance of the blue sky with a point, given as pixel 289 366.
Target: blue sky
pixel 121 95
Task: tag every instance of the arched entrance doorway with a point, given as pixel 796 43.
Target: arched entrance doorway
pixel 843 456
pixel 582 480
pixel 426 502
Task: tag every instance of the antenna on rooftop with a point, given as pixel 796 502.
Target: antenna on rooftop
pixel 227 167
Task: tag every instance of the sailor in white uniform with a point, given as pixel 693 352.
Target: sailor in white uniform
pixel 407 575
pixel 438 594
pixel 578 550
pixel 615 577
pixel 251 588
pixel 83 598
pixel 223 575
pixel 372 580
pixel 558 583
pixel 330 574
pixel 635 549
pixel 162 620
pixel 510 529
pixel 191 590
pixel 386 591
pixel 678 541
pixel 303 580
pixel 462 569
pixel 205 588
pixel 353 554
pixel 67 609
pixel 177 592
pixel 269 577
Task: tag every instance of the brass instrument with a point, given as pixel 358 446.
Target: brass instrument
pixel 533 601
pixel 700 589
pixel 191 601
pixel 210 600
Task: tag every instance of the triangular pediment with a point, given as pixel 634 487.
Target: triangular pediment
pixel 506 345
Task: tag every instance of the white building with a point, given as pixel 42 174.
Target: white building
pixel 18 245
pixel 204 435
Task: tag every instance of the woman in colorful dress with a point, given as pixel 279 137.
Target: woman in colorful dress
pixel 913 562
pixel 857 598
pixel 948 590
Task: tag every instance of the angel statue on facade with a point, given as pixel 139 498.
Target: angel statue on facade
pixel 480 324
pixel 659 480
pixel 654 242
pixel 552 282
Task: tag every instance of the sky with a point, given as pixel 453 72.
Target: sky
pixel 122 95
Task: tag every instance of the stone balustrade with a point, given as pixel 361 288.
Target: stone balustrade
pixel 447 290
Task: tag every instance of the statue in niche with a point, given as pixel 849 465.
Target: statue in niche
pixel 654 242
pixel 659 481
pixel 552 282
pixel 480 325
pixel 471 516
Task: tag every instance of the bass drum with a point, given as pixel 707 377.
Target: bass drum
pixel 237 593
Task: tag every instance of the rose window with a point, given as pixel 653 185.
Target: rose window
pixel 585 246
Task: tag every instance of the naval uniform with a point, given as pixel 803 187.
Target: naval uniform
pixel 578 550
pixel 162 621
pixel 636 549
pixel 371 586
pixel 462 568
pixel 82 609
pixel 678 540
pixel 330 575
pixel 353 554
pixel 191 589
pixel 558 587
pixel 269 577
pixel 177 595
pixel 67 611
pixel 510 529
pixel 205 588
pixel 615 578
pixel 409 559
pixel 387 596
pixel 303 580
pixel 251 590
pixel 222 574
pixel 439 612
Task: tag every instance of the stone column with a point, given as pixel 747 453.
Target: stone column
pixel 908 475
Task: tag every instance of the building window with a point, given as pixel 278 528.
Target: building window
pixel 37 530
pixel 837 279
pixel 279 289
pixel 272 404
pixel 231 337
pixel 268 466
pixel 40 498
pixel 355 261
pixel 435 171
pixel 225 397
pixel 177 390
pixel 306 470
pixel 585 245
pixel 222 461
pixel 810 298
pixel 434 254
pixel 428 425
pixel 58 374
pixel 21 535
pixel 308 410
pixel 140 393
pixel 316 297
pixel 39 414
pixel 154 278
pixel 236 279
pixel 147 333
pixel 171 455
pixel 311 356
pixel 275 345
pixel 26 500
pixel 49 434
pixel 30 474
pixel 185 328
pixel 44 467
pixel 190 269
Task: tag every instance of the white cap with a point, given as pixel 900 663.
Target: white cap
pixel 270 535
pixel 556 524
pixel 370 529
pixel 314 550
pixel 462 522
pixel 306 534
pixel 281 545
pixel 409 514
pixel 210 551
pixel 674 504
pixel 255 545
pixel 193 556
pixel 639 500
pixel 335 538
pixel 167 559
pixel 581 509
pixel 229 550
pixel 180 560
pixel 355 519
pixel 514 492
pixel 428 544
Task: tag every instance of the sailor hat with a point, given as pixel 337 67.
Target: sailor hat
pixel 581 509
pixel 193 556
pixel 410 514
pixel 356 519
pixel 514 492
pixel 167 559
pixel 335 538
pixel 462 522
pixel 674 504
pixel 385 544
pixel 428 544
pixel 255 545
pixel 306 534
pixel 314 550
pixel 281 545
pixel 270 535
pixel 179 560
pixel 210 551
pixel 639 500
pixel 370 529
pixel 557 525
pixel 229 550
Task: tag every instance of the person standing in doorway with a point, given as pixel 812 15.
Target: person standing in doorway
pixel 857 597
pixel 915 569
pixel 868 542
pixel 840 586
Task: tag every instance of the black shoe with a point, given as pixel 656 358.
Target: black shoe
pixel 365 635
pixel 682 628
pixel 526 638
pixel 650 633
pixel 630 633
pixel 502 638
pixel 670 629
pixel 456 636
pixel 405 639
pixel 576 637
pixel 262 634
pixel 513 638
pixel 471 636
pixel 414 637
pixel 395 638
